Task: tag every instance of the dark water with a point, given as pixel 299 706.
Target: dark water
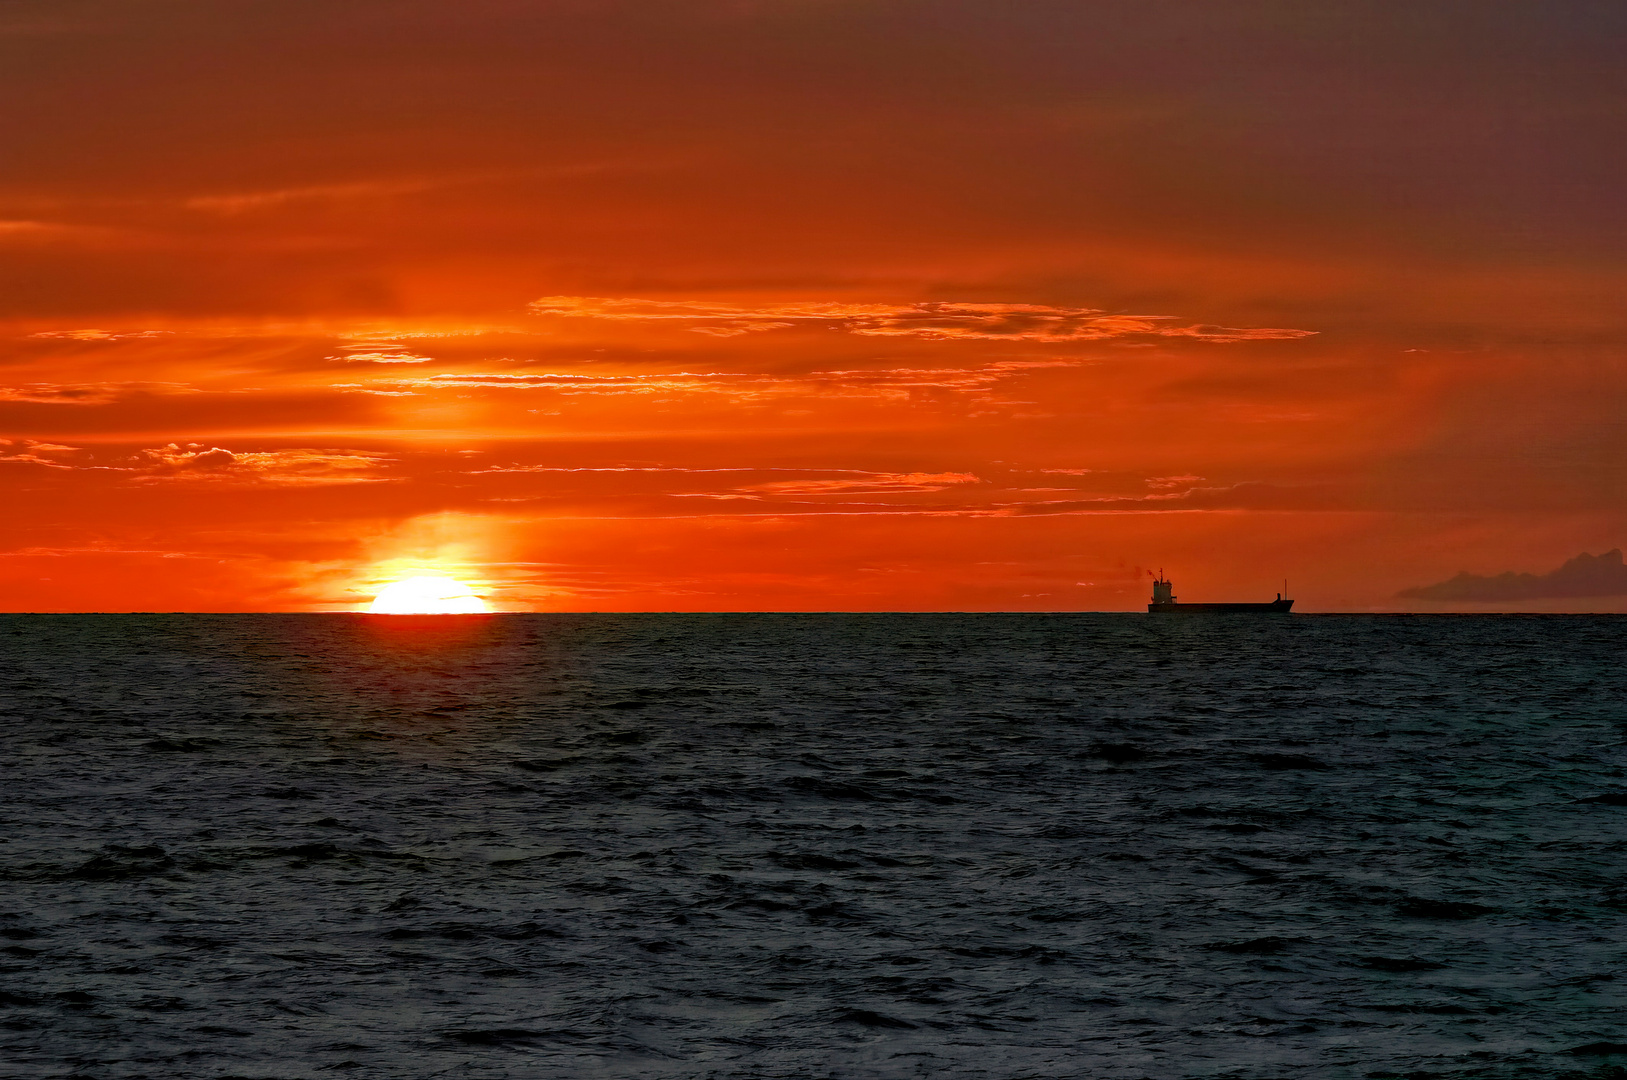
pixel 812 846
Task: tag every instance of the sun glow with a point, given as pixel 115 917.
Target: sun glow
pixel 427 595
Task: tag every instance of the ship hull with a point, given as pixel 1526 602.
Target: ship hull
pixel 1270 607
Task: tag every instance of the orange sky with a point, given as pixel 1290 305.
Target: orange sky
pixel 807 304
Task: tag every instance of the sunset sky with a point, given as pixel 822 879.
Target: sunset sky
pixel 808 304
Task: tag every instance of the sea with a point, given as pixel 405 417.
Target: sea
pixel 813 846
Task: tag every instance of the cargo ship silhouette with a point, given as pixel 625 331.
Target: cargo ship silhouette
pixel 1164 602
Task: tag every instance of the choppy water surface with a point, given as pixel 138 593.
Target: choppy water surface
pixel 812 846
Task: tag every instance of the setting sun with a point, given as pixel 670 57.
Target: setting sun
pixel 425 595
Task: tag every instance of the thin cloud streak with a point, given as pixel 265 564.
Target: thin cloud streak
pixel 86 393
pixel 886 382
pixel 298 466
pixel 368 190
pixel 933 320
pixel 29 452
pixel 656 469
pixel 93 334
pixel 876 483
pixel 202 462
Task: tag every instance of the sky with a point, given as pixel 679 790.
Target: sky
pixel 625 305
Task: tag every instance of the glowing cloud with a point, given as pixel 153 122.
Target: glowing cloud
pixel 979 321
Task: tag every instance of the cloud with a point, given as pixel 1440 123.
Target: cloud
pixel 1585 575
pixel 652 469
pixel 56 394
pixel 861 483
pixel 260 200
pixel 37 234
pixel 41 230
pixel 378 349
pixel 93 334
pixel 963 380
pixel 1167 495
pixel 373 190
pixel 85 393
pixel 808 481
pixel 885 382
pixel 383 356
pixel 874 483
pixel 192 456
pixel 713 381
pixel 978 321
pixel 29 452
pixel 304 467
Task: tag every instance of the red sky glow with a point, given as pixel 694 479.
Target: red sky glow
pixel 605 305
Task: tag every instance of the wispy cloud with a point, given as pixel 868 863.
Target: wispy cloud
pixel 685 381
pixel 962 380
pixel 29 452
pixel 383 356
pixel 651 469
pixel 300 466
pixel 1173 483
pixel 240 202
pixel 86 393
pixel 978 321
pixel 885 382
pixel 56 394
pixel 1168 495
pixel 368 190
pixel 861 483
pixel 378 350
pixel 92 334
pixel 30 232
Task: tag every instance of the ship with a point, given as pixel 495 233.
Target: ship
pixel 1164 602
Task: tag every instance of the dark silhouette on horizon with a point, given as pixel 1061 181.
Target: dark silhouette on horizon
pixel 1585 575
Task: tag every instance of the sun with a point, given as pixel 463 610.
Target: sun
pixel 426 595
